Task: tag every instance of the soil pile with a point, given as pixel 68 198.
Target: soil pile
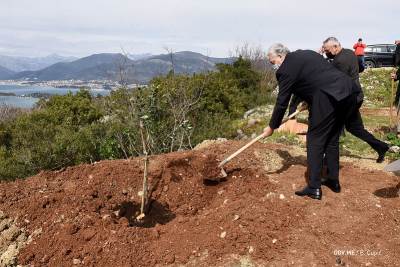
pixel 85 215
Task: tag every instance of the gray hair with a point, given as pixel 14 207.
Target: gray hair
pixel 332 40
pixel 278 50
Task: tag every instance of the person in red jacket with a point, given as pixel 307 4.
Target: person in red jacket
pixel 359 51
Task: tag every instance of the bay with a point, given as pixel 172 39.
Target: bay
pixel 21 99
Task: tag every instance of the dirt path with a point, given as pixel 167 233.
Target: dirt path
pixel 86 213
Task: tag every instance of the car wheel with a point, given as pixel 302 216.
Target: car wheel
pixel 369 64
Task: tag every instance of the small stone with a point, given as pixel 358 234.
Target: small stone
pixel 368 264
pixel 236 217
pixel 106 217
pixel 225 201
pixel 220 192
pixel 124 192
pixel 270 194
pixel 251 249
pixel 274 241
pixel 169 259
pixel 140 193
pixel 223 234
pixel 76 261
pixel 2 215
pixel 281 196
pixel 71 228
pixel 89 234
pixel 252 122
pixel 378 206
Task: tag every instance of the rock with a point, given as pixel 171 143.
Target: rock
pixel 236 217
pixel 223 234
pixel 8 258
pixel 76 261
pixel 88 234
pixel 124 192
pixel 251 249
pixel 11 233
pixel 169 259
pixel 394 149
pixel 71 228
pixel 106 217
pixel 207 143
pixel 274 241
pixel 252 122
pixel 4 224
pixel 248 113
pixel 270 195
pixel 281 196
pixel 2 215
pixel 240 134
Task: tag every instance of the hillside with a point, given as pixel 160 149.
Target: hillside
pixel 18 64
pixel 109 66
pixel 4 73
pixel 85 215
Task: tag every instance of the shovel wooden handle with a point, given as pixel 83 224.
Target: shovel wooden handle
pixel 243 148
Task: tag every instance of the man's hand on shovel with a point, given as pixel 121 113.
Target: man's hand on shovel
pixel 268 131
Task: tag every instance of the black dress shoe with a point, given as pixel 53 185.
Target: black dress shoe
pixel 310 192
pixel 332 184
pixel 381 156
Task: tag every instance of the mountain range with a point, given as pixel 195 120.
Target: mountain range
pixel 115 66
pixel 5 73
pixel 18 64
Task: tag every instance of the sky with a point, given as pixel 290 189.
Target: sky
pixel 214 27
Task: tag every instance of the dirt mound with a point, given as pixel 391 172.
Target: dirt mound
pixel 87 213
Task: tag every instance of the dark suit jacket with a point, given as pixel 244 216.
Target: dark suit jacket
pixel 347 62
pixel 309 76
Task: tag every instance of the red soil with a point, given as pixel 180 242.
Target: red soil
pixel 87 214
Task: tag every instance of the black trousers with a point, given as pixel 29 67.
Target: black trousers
pixel 355 126
pixel 323 139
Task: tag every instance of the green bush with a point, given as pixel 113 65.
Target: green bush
pixel 377 87
pixel 178 112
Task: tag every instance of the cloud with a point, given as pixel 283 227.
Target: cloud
pixel 80 27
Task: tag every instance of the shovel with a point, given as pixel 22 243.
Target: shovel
pixel 302 107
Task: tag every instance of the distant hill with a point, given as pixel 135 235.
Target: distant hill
pixel 5 73
pixel 110 66
pixel 18 64
pixel 98 66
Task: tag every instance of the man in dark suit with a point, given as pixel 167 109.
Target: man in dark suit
pixel 330 95
pixel 346 61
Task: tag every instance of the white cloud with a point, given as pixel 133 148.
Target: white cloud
pixel 84 27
